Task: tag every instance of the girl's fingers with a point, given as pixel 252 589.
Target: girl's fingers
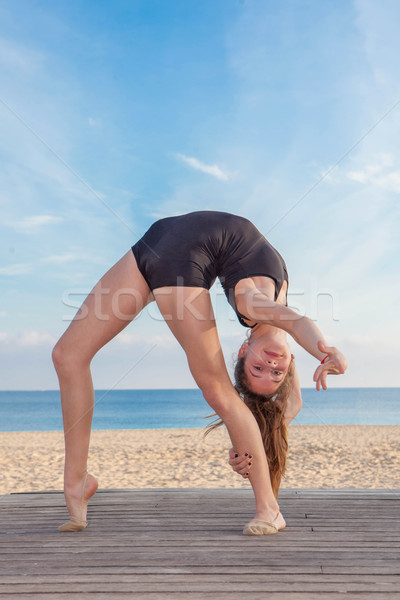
pixel 244 471
pixel 318 372
pixel 235 460
pixel 243 466
pixel 336 364
pixel 323 380
pixel 240 464
pixel 319 381
pixel 330 367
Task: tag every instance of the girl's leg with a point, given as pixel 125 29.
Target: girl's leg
pixel 189 314
pixel 112 304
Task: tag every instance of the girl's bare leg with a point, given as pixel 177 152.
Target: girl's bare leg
pixel 115 300
pixel 189 314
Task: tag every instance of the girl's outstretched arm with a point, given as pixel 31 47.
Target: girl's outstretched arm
pixel 262 309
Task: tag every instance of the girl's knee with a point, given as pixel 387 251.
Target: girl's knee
pixel 66 359
pixel 59 356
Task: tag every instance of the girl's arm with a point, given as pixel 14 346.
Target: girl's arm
pixel 262 309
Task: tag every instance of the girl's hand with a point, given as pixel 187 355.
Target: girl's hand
pixel 240 464
pixel 335 364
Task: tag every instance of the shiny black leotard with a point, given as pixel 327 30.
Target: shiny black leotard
pixel 196 248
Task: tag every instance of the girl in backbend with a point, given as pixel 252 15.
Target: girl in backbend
pixel 174 264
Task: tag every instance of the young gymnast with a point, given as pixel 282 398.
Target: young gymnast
pixel 174 264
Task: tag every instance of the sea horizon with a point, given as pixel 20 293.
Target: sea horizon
pixel 169 408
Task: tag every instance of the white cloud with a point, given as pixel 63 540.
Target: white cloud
pixel 132 339
pixel 16 269
pixel 26 339
pixel 29 223
pixel 359 176
pixel 213 170
pixel 61 258
pixel 95 122
pixel 379 174
pixel 328 174
pixel 35 338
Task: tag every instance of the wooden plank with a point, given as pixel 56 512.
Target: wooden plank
pixel 222 595
pixel 274 579
pixel 106 546
pixel 271 570
pixel 216 586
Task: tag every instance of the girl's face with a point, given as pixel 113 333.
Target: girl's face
pixel 266 364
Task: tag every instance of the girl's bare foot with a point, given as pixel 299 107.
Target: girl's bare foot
pixel 76 498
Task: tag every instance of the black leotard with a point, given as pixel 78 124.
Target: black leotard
pixel 196 248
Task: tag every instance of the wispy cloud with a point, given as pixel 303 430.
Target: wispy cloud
pixel 32 223
pixel 16 269
pixel 380 174
pixel 132 339
pixel 36 338
pixel 78 255
pixel 15 56
pixel 61 258
pixel 95 122
pixel 196 164
pixel 26 338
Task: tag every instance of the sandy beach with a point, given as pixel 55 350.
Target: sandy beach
pixel 334 456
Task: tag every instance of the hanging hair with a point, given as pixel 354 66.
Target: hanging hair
pixel 268 411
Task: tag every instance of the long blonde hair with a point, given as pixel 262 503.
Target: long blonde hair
pixel 268 411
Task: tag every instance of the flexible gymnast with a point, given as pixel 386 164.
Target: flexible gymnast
pixel 174 264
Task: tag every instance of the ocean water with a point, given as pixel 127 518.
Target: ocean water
pixel 157 409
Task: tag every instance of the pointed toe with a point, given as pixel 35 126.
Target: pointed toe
pixel 260 527
pixel 73 526
pixel 257 527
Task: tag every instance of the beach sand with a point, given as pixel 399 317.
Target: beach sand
pixel 331 456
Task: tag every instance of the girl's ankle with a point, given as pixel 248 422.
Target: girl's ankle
pixel 267 507
pixel 73 480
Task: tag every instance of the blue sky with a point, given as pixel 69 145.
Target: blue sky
pixel 113 114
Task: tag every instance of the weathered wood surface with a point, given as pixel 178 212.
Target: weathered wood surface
pixel 187 543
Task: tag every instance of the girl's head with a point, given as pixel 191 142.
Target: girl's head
pixel 264 363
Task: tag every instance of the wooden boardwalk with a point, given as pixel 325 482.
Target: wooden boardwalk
pixel 187 543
